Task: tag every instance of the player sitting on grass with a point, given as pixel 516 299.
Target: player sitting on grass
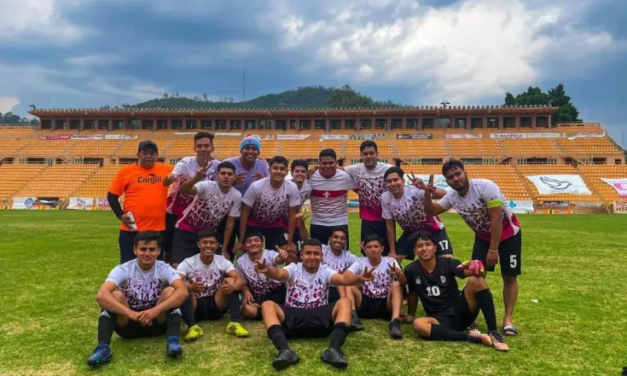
pixel 381 298
pixel 307 312
pixel 140 298
pixel 449 311
pixel 213 283
pixel 257 287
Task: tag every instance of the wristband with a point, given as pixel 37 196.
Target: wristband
pixel 493 251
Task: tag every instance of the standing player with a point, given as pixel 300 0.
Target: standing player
pixel 307 312
pixel 404 205
pixel 140 298
pixel 145 197
pixel 381 298
pixel 184 170
pixel 299 170
pixel 449 311
pixel 497 231
pixel 214 202
pixel 329 193
pixel 267 202
pixel 213 283
pixel 368 176
pixel 257 287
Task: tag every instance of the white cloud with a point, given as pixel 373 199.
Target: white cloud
pixel 464 52
pixel 8 103
pixel 94 60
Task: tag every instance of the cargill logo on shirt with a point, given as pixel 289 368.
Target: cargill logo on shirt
pixel 150 179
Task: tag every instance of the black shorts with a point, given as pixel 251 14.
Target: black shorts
pixel 334 295
pixel 308 322
pixel 273 236
pixel 207 309
pixel 442 243
pixel 510 252
pixel 277 295
pixel 133 329
pixel 126 240
pixel 323 233
pixel 233 240
pixel 379 228
pixel 168 234
pixel 374 308
pixel 458 317
pixel 184 245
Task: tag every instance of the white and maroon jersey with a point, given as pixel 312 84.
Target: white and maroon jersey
pixel 212 275
pixel 259 284
pixel 142 288
pixel 268 206
pixel 305 194
pixel 210 207
pixel 409 211
pixel 370 186
pixel 184 170
pixel 337 263
pixel 379 287
pixel 473 208
pixel 307 290
pixel 329 198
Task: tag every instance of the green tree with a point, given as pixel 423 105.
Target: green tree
pixel 556 96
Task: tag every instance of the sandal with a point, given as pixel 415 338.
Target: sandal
pixel 510 330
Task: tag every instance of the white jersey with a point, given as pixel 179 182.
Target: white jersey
pixel 184 170
pixel 329 198
pixel 210 207
pixel 307 290
pixel 259 284
pixel 379 287
pixel 337 263
pixel 269 205
pixel 212 275
pixel 370 187
pixel 142 288
pixel 305 194
pixel 409 211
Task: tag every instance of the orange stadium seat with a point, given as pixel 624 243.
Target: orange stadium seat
pixel 408 149
pixel 15 176
pixel 10 147
pixel 45 148
pixel 93 148
pixel 588 146
pixel 531 147
pixel 475 148
pixel 98 184
pixel 58 180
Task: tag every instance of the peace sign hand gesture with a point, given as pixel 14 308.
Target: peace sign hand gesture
pixel 417 182
pixel 201 173
pixel 396 272
pixel 367 275
pixel 261 267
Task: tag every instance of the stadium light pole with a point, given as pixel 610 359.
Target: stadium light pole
pixel 445 103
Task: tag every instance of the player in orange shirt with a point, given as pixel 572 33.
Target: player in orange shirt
pixel 145 197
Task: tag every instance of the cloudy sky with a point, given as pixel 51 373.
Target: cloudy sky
pixel 78 53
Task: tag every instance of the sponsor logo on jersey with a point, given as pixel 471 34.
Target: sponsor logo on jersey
pixel 443 279
pixel 150 179
pixel 418 281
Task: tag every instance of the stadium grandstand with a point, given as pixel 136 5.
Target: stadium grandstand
pixel 71 158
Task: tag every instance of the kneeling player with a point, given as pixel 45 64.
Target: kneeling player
pixel 306 312
pixel 257 287
pixel 213 283
pixel 140 299
pixel 449 311
pixel 381 298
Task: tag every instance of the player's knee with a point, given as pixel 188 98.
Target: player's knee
pixel 422 327
pixel 477 283
pixel 250 311
pixel 344 303
pixel 268 307
pixel 510 280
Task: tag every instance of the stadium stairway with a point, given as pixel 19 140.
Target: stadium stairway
pixel 525 182
pixel 449 149
pixel 559 147
pixel 591 185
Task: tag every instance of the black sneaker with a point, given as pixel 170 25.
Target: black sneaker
pixel 395 329
pixel 285 359
pixel 334 357
pixel 356 324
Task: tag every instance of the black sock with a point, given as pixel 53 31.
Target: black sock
pixel 276 335
pixel 339 334
pixel 106 326
pixel 486 304
pixel 173 323
pixel 440 333
pixel 187 311
pixel 233 302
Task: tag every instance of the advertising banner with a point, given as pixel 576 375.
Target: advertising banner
pixel 57 137
pixel 559 184
pixel 228 134
pixel 81 203
pixel 120 137
pixel 259 137
pixel 620 185
pixel 620 207
pixel 89 137
pixel 414 136
pixel 542 211
pixel 562 211
pixel 103 204
pixel 438 180
pixel 294 137
pixel 587 135
pixel 36 203
pixel 521 206
pixel 334 137
pixel 526 135
pixel 556 204
pixel 463 136
pixel 379 136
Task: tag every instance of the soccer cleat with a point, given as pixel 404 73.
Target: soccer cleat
pixel 285 359
pixel 334 357
pixel 498 342
pixel 194 333
pixel 356 323
pixel 102 354
pixel 477 337
pixel 237 330
pixel 173 347
pixel 395 329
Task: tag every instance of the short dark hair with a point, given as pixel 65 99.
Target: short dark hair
pixel 299 162
pixel 312 242
pixel 226 164
pixel 280 160
pixel 420 235
pixel 253 234
pixel 208 233
pixel 147 236
pixel 451 164
pixel 200 135
pixel 393 170
pixel 341 229
pixel 327 153
pixel 368 144
pixel 372 238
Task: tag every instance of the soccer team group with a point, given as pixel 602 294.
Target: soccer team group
pixel 234 239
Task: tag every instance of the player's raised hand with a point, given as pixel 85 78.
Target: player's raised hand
pixel 258 176
pixel 240 179
pixel 282 253
pixel 417 182
pixel 367 275
pixel 261 267
pixel 311 172
pixel 201 173
pixel 169 179
pixel 361 246
pixel 430 187
pixel 396 272
pixel 302 217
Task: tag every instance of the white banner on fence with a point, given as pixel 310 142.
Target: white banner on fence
pixel 526 135
pixel 556 184
pixel 334 137
pixel 89 137
pixel 228 134
pixel 297 137
pixel 587 135
pixel 23 203
pixel 260 137
pixel 620 207
pixel 463 135
pixel 120 137
pixel 620 185
pixel 438 180
pixel 521 207
pixel 81 203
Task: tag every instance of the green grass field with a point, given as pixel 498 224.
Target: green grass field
pixel 53 263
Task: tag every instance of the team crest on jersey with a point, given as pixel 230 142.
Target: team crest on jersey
pixel 418 281
pixel 443 279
